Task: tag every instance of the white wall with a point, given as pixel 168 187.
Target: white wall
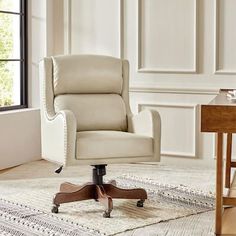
pixel 19 137
pixel 20 129
pixel 181 53
pixel 37 37
pixel 95 27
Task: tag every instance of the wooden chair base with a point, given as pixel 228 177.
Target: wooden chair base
pixel 104 193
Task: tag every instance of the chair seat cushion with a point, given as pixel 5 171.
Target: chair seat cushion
pixel 106 144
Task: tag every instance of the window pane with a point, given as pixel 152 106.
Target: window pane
pixel 10 5
pixel 9 83
pixel 9 36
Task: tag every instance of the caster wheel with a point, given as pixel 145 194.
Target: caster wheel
pixel 55 209
pixel 140 203
pixel 106 214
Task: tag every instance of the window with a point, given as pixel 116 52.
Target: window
pixel 13 54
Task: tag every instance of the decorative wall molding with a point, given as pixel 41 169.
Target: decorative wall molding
pixel 193 153
pixel 68 27
pixel 163 70
pixel 217 69
pixel 138 89
pixel 121 28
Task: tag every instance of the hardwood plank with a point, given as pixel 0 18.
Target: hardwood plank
pixel 6 170
pixel 229 215
pixel 228 221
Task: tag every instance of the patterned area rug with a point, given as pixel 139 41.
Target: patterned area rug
pixel 25 208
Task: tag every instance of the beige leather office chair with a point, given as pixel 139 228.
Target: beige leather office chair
pixel 86 119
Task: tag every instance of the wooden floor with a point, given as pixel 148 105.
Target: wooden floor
pixel 229 216
pixel 6 170
pixel 229 222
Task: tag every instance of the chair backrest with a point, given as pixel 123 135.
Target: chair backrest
pixel 95 88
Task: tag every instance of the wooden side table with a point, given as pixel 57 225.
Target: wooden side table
pixel 219 116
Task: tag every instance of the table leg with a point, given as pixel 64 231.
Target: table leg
pixel 228 160
pixel 219 184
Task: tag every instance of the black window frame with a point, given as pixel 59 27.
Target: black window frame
pixel 23 57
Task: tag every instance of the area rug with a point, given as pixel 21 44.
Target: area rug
pixel 25 208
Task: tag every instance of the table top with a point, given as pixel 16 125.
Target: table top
pixel 219 115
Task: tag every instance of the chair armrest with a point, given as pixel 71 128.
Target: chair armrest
pixel 58 136
pixel 148 122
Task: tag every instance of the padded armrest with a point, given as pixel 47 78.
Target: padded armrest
pixel 148 122
pixel 60 131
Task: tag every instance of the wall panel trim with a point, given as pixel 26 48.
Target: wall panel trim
pixel 163 70
pixel 68 27
pixel 217 69
pixel 121 28
pixel 193 153
pixel 151 89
